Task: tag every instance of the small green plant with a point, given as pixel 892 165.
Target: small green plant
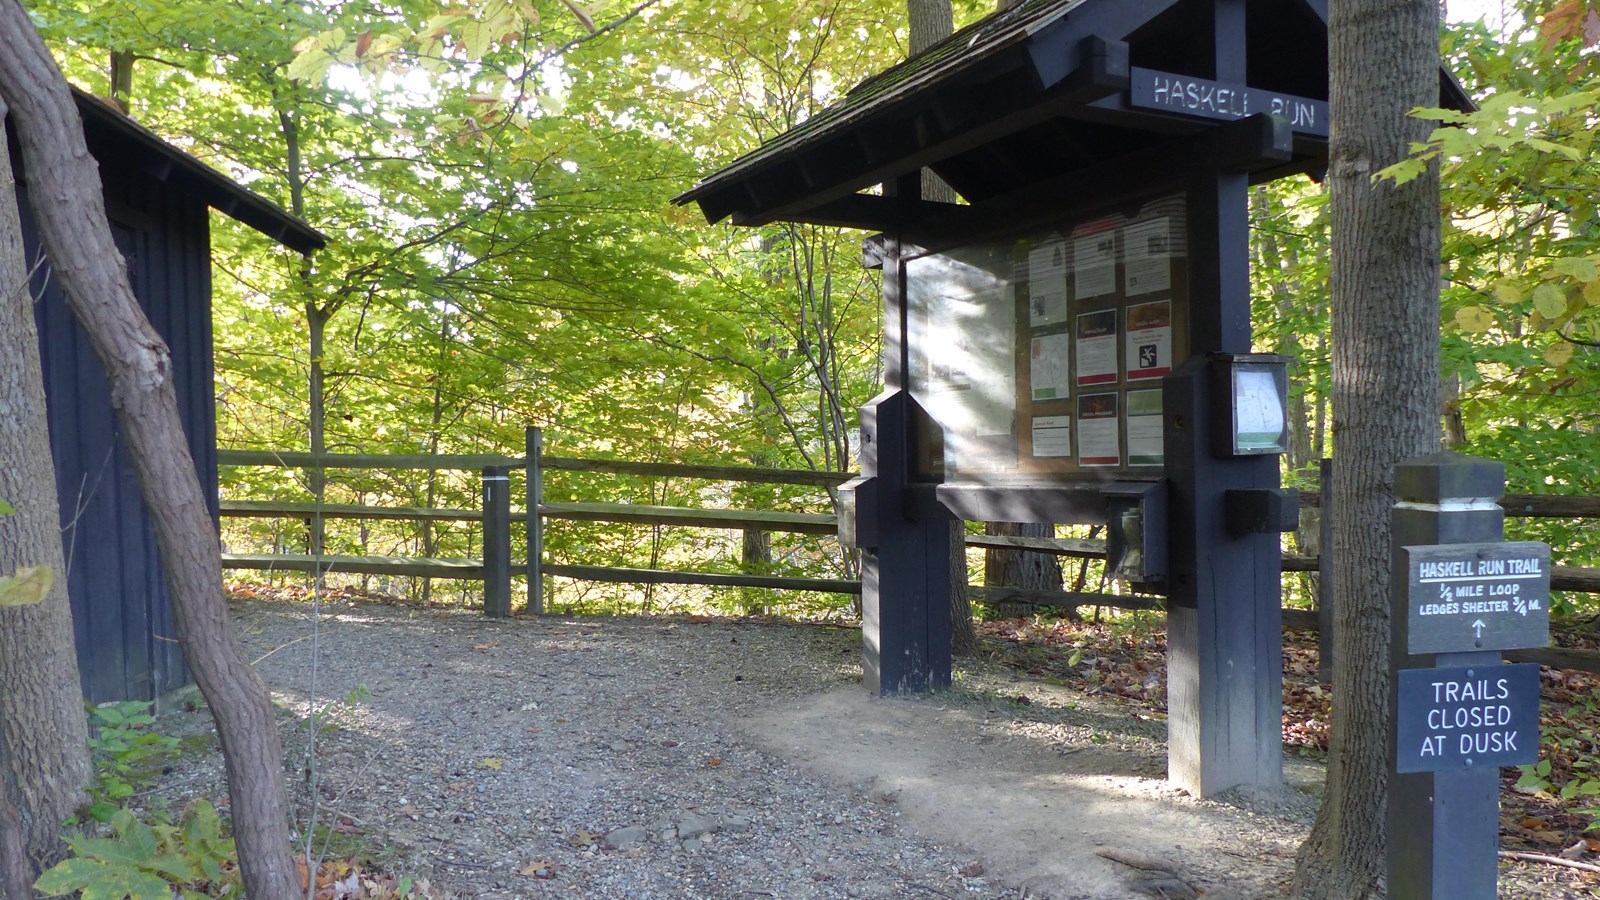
pixel 138 861
pixel 334 714
pixel 126 750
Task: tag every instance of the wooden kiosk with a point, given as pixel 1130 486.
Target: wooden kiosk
pixel 1073 344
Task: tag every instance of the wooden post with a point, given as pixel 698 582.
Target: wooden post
pixel 496 542
pixel 1224 621
pixel 1443 827
pixel 905 578
pixel 534 439
pixel 1326 562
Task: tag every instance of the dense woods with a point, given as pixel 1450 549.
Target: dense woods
pixel 497 186
pixel 496 181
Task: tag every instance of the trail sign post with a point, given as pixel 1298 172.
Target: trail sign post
pixel 1458 713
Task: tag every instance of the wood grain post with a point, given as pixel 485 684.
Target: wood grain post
pixel 534 439
pixel 496 542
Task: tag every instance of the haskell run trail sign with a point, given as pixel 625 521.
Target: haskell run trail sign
pixel 1460 597
pixel 1073 342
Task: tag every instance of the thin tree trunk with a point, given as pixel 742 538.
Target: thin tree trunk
pixel 1384 61
pixel 932 21
pixel 138 366
pixel 44 749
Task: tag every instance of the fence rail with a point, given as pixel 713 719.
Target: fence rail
pixel 496 515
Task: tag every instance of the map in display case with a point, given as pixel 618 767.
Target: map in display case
pixel 1044 354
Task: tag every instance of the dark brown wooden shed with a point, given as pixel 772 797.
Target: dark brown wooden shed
pixel 158 199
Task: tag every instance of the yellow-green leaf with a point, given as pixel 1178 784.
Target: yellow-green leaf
pixel 1549 301
pixel 1403 171
pixel 1474 319
pixel 476 36
pixel 1575 267
pixel 1558 354
pixel 1508 292
pixel 492 762
pixel 1591 293
pixel 29 586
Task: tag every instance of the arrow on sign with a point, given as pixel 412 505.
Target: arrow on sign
pixel 1477 628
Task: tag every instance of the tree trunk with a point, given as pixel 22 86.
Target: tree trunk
pixel 85 261
pixel 932 21
pixel 44 741
pixel 1384 61
pixel 1021 568
pixel 16 870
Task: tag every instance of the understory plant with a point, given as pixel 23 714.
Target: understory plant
pixel 143 861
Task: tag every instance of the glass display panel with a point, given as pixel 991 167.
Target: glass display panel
pixel 1043 354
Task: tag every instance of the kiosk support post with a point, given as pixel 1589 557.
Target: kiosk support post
pixel 905 577
pixel 1224 625
pixel 1444 826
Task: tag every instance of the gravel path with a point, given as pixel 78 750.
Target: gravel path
pixel 601 757
pixel 644 758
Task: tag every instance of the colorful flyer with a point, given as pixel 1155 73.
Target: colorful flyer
pixel 1149 340
pixel 1147 256
pixel 1145 442
pixel 1047 283
pixel 1097 347
pixel 1098 443
pixel 1094 260
pixel 1052 436
pixel 1049 366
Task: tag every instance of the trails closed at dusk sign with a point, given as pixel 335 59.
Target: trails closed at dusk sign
pixel 1467 718
pixel 1490 596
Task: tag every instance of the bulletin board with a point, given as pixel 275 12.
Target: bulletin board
pixel 1043 353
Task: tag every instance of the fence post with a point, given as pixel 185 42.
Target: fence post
pixel 535 523
pixel 496 542
pixel 1325 567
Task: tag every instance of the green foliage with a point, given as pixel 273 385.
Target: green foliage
pixel 126 751
pixel 191 859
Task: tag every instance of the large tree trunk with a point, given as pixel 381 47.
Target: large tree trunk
pixel 44 742
pixel 1384 61
pixel 1022 568
pixel 63 179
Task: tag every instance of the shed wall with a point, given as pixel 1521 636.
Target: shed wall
pixel 127 646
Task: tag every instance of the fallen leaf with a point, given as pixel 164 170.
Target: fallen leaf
pixel 487 646
pixel 972 871
pixel 669 743
pixel 714 761
pixel 539 868
pixel 583 837
pixel 492 762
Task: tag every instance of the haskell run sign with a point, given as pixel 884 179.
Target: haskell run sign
pixel 1489 596
pixel 1464 718
pixel 1149 89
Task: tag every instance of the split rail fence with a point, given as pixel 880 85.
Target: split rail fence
pixel 496 516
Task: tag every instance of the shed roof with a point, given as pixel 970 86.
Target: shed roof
pixel 1044 89
pixel 142 147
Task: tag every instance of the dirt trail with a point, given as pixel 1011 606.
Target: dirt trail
pixel 1040 796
